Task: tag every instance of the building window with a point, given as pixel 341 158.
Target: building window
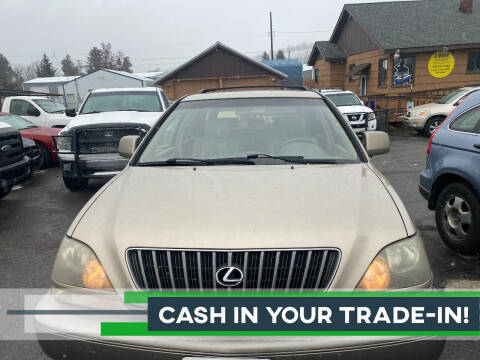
pixel 473 64
pixel 316 74
pixel 403 72
pixel 363 85
pixel 382 73
pixel 351 79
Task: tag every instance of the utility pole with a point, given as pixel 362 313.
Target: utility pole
pixel 271 37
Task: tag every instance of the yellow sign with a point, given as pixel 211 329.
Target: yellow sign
pixel 441 64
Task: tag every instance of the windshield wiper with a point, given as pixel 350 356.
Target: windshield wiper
pixel 91 112
pixel 190 161
pixel 293 159
pixel 133 110
pixel 177 161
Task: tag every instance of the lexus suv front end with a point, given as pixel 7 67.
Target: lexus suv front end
pixel 271 185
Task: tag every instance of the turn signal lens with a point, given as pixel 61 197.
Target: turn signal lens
pixel 94 276
pixel 377 276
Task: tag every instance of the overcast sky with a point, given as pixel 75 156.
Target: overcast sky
pixel 157 33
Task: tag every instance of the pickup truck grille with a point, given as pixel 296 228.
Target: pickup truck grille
pixel 11 150
pixel 357 117
pixel 103 140
pixel 157 269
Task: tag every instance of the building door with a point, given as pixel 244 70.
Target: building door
pixel 363 85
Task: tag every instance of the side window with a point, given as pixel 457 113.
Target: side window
pixel 468 122
pixel 21 107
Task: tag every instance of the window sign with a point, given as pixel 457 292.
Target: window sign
pixel 404 71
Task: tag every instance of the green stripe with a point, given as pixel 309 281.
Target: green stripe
pixel 141 329
pixel 142 297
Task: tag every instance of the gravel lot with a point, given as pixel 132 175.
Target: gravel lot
pixel 35 217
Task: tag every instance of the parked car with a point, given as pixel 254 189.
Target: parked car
pixel 426 118
pixel 42 136
pixel 451 180
pixel 255 180
pixel 39 110
pixel 14 164
pixel 33 153
pixel 360 117
pixel 88 145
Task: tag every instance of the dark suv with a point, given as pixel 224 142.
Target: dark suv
pixel 14 165
pixel 451 180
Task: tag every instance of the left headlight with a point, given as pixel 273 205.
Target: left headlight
pixel 400 265
pixel 371 116
pixel 418 113
pixel 77 265
pixel 63 143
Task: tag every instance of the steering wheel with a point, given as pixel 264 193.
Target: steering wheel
pixel 297 140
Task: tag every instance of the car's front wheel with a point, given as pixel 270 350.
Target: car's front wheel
pixel 432 125
pixel 457 213
pixel 45 158
pixel 75 184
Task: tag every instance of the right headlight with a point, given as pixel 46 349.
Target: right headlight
pixel 77 265
pixel 400 265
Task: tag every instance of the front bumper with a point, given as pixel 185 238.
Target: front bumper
pixel 91 165
pixel 14 173
pixel 417 123
pixel 55 335
pixel 412 349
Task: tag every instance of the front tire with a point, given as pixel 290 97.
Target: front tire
pixel 457 214
pixel 432 125
pixel 4 190
pixel 75 184
pixel 45 158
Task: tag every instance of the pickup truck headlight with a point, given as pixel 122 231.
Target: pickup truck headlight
pixel 63 143
pixel 400 265
pixel 371 116
pixel 418 113
pixel 77 265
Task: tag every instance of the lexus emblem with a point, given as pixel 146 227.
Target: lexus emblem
pixel 6 148
pixel 229 276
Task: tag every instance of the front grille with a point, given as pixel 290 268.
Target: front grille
pixel 103 140
pixel 158 269
pixel 11 150
pixel 356 117
pixel 409 114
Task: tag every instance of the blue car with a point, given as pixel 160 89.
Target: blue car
pixel 451 180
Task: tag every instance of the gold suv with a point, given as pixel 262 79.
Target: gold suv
pixel 271 186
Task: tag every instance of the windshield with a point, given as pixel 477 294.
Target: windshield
pixel 145 101
pixel 244 128
pixel 49 106
pixel 17 122
pixel 451 97
pixel 344 99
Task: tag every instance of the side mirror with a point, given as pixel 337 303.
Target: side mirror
pixel 71 112
pixel 33 111
pixel 128 145
pixel 376 142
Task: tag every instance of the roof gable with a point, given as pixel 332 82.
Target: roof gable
pixel 233 63
pixel 327 51
pixel 415 24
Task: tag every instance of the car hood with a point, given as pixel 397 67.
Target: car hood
pixel 433 107
pixel 354 109
pixel 241 207
pixel 111 117
pixel 39 131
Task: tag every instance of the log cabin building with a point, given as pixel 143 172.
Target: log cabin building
pixel 403 49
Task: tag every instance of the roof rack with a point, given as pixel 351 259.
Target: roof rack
pixel 286 87
pixel 14 92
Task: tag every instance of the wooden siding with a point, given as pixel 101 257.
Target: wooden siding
pixel 330 74
pixel 354 40
pixel 177 88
